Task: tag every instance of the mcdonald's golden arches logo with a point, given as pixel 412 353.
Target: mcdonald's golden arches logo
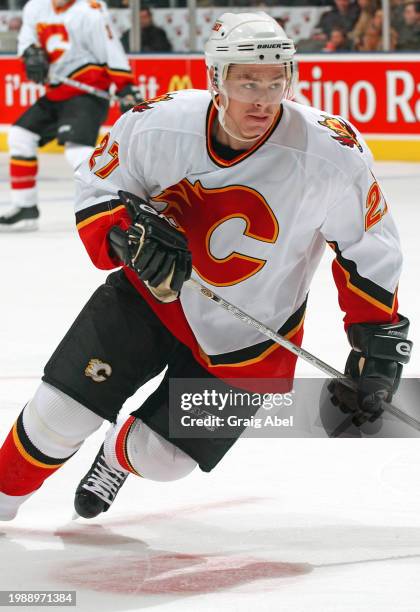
pixel 178 82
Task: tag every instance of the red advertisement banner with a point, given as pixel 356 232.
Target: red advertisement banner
pixel 379 93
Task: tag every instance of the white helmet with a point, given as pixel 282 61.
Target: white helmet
pixel 247 38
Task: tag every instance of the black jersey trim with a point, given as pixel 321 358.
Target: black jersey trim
pixel 228 163
pixel 32 450
pixel 22 158
pixel 75 72
pixel 224 151
pixel 252 352
pixel 360 282
pixel 85 67
pixel 96 209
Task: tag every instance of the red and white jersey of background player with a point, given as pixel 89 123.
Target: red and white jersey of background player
pixel 257 225
pixel 80 43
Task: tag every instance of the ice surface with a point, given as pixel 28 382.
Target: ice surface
pixel 286 525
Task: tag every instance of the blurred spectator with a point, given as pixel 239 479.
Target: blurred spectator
pixel 314 44
pixel 367 10
pixel 8 39
pixel 377 19
pixel 377 23
pixel 282 21
pixel 7 5
pixel 344 16
pixel 397 13
pixel 371 40
pixel 337 41
pixel 300 3
pixel 15 23
pixel 153 38
pixel 409 32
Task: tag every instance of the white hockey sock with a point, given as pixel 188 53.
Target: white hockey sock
pixel 56 424
pixel 132 446
pixel 50 429
pixel 23 146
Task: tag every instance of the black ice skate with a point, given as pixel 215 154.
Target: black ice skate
pixel 20 219
pixel 98 489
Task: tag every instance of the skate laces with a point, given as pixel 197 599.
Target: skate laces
pixel 104 481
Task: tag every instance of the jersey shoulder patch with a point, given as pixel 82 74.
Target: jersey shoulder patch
pixel 149 104
pixel 342 131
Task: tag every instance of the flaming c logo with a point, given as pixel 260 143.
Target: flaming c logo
pixel 198 212
pixel 54 38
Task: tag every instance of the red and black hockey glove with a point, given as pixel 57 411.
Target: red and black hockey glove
pixel 151 246
pixel 36 64
pixel 375 364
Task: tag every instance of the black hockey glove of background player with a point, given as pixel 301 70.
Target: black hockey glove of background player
pixel 375 364
pixel 129 96
pixel 151 246
pixel 36 64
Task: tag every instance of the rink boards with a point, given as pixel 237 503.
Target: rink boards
pixel 378 92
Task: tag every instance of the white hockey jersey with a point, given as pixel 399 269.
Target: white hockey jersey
pixel 80 42
pixel 257 224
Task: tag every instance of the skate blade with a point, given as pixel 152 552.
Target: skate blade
pixel 75 516
pixel 26 225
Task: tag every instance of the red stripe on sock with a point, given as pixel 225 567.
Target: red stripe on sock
pixel 18 476
pixel 26 184
pixel 120 445
pixel 23 174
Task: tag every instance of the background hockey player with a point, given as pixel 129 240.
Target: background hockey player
pixel 252 185
pixel 62 38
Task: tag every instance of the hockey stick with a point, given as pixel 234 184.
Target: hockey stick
pixel 94 91
pixel 293 348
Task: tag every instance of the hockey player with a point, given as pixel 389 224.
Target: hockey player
pixel 252 185
pixel 62 38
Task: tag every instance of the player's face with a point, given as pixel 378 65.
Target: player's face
pixel 254 94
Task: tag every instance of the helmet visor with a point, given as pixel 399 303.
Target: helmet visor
pixel 258 83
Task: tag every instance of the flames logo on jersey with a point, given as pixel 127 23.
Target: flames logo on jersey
pixel 199 212
pixel 147 104
pixel 54 38
pixel 346 136
pixel 98 370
